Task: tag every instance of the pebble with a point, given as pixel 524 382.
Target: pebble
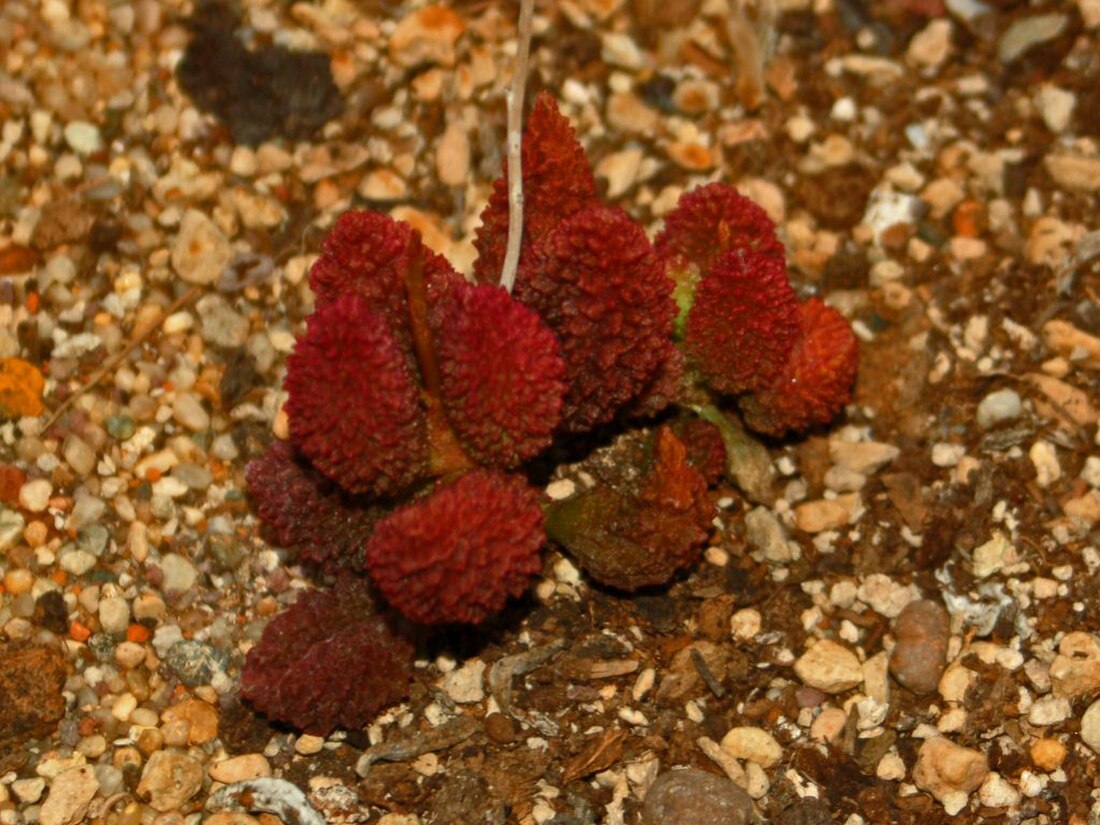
pixel 180 574
pixel 71 793
pixel 114 615
pixel 452 156
pixel 998 407
pixel 930 46
pixel 83 138
pixel 221 325
pixel 620 170
pixel 1055 107
pixel 188 410
pixel 78 455
pixel 1075 671
pixel 885 596
pixel 764 532
pixel 1028 32
pixel 922 630
pixel 1090 726
pixel 1048 754
pixel 201 251
pixel 35 495
pixel 949 772
pixel 998 792
pixel 829 667
pixel 1074 172
pixel 627 113
pixel 1075 345
pixel 308 744
pixel 466 684
pixel 240 768
pixel 754 744
pixel 428 35
pixel 1049 710
pixel 29 790
pixel 1044 458
pixel 195 663
pixel 829 725
pixel 820 515
pixel 201 719
pixel 692 796
pixel 993 556
pixel 169 780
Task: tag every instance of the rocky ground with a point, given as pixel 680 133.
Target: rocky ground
pixel 909 632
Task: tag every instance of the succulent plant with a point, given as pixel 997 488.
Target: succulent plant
pixel 417 400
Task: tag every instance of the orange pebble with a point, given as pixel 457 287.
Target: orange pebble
pixel 137 633
pixel 968 219
pixel 33 302
pixel 79 631
pixel 60 576
pixel 152 474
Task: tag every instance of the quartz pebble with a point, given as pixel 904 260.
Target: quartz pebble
pixel 754 744
pixel 201 250
pixel 692 796
pixel 829 667
pixel 71 792
pixel 35 495
pixel 949 772
pixel 428 35
pixel 998 407
pixel 1090 726
pixel 169 779
pixel 922 631
pixel 201 719
pixel 240 768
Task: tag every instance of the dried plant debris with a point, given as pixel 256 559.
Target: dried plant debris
pixel 260 93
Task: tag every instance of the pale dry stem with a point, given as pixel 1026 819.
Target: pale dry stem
pixel 515 143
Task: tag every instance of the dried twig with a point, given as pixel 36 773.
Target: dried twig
pixel 139 335
pixel 515 143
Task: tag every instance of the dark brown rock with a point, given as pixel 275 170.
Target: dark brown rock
pixel 922 631
pixel 692 796
pixel 31 704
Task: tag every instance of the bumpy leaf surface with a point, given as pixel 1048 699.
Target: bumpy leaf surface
pixel 328 661
pixel 502 375
pixel 354 402
pixel 306 511
pixel 817 381
pixel 458 554
pixel 596 281
pixel 557 182
pixel 744 321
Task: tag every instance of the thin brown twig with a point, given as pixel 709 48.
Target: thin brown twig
pixel 138 337
pixel 515 144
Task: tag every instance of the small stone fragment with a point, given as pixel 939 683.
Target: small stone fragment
pixel 240 768
pixel 1028 32
pixel 201 251
pixel 998 407
pixel 194 662
pixel 1075 671
pixel 822 514
pixel 922 630
pixel 427 35
pixel 998 792
pixel 1074 172
pixel 465 685
pixel 949 772
pixel 829 667
pixel 1090 726
pixel 1048 754
pixel 754 744
pixel 71 792
pixel 993 556
pixel 201 718
pixel 1071 343
pixel 169 780
pixel 21 385
pixel 692 796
